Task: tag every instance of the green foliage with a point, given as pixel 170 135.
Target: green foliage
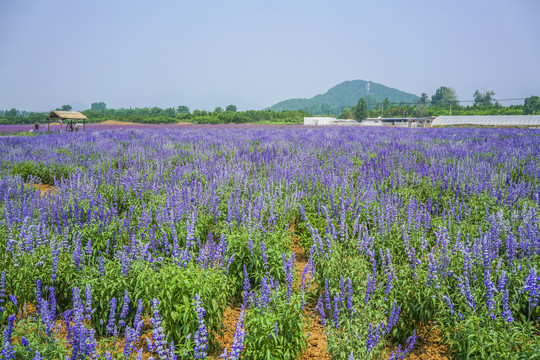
pixel 46 174
pixel 177 307
pixel 531 106
pixel 444 96
pixel 239 245
pixel 38 340
pixel 484 99
pixel 346 114
pixel 265 340
pixel 360 110
pixel 98 106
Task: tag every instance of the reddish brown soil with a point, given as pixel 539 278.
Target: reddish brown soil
pixel 428 345
pixel 44 189
pixel 230 318
pixel 316 345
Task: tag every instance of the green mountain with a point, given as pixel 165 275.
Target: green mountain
pixel 345 95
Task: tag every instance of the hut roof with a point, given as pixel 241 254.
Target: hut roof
pixel 75 115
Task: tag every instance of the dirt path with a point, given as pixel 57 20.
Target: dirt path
pixel 43 189
pixel 317 345
pixel 230 317
pixel 429 345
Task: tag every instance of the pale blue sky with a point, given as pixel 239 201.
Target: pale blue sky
pixel 253 54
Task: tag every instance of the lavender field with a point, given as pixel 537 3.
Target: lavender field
pixel 146 238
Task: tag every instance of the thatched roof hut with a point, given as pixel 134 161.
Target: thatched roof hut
pixel 67 115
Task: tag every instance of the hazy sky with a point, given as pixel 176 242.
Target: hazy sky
pixel 253 54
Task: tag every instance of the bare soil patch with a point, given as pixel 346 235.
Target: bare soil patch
pixel 230 318
pixel 316 346
pixel 116 122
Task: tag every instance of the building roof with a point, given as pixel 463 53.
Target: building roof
pixel 57 114
pixel 488 120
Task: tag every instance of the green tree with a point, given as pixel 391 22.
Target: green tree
pixel 421 105
pixel 65 108
pixel 444 96
pixel 156 111
pixel 360 110
pixel 182 110
pixel 484 99
pixel 218 110
pixel 531 106
pixel 424 100
pixel 170 112
pixel 231 108
pixel 346 114
pixel 98 106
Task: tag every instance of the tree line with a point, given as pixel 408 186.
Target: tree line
pixel 99 112
pixel 443 102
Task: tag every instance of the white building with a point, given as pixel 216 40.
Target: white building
pixel 325 120
pixel 321 120
pixel 488 120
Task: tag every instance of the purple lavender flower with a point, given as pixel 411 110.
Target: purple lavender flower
pixel 229 262
pixel 125 261
pixel 7 349
pixel 393 318
pixel 201 333
pixel 533 288
pixel 327 301
pixel 125 309
pixel 238 340
pixel 250 245
pixel 39 294
pixel 160 340
pixel 401 354
pixel 373 336
pixel 264 257
pixel 322 313
pixel 288 267
pixel 54 266
pixel 13 299
pixel 101 262
pixel 247 286
pixel 2 290
pixel 239 337
pixel 52 303
pixel 88 303
pixel 82 340
pixel 349 294
pixel 88 248
pixel 463 285
pixel 77 252
pixel 490 291
pixel 128 348
pixel 111 325
pixel 336 311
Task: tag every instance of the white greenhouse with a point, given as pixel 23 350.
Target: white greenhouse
pixel 488 120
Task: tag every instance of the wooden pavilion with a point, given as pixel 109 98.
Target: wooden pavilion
pixel 66 115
